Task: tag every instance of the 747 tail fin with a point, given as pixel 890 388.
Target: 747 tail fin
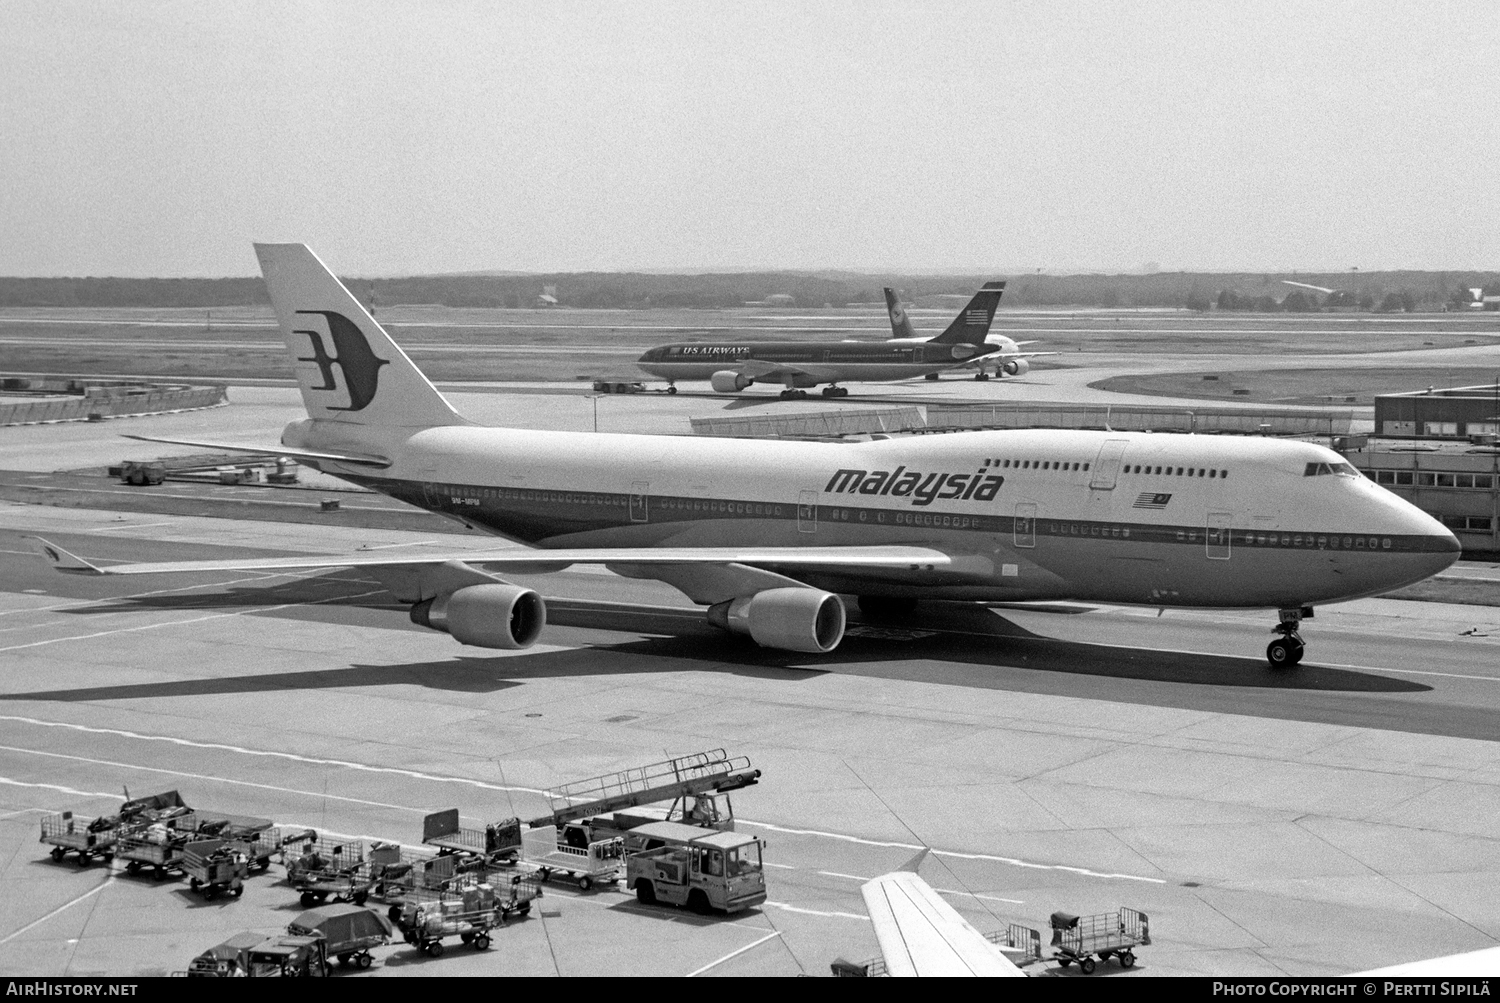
pixel 972 325
pixel 348 367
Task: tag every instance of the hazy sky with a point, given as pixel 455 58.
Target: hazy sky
pixel 395 138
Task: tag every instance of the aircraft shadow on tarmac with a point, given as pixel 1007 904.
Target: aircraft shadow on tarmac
pixel 961 644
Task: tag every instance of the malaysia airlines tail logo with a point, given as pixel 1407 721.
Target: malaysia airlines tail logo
pixel 360 366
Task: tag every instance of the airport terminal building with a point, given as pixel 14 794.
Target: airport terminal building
pixel 1440 450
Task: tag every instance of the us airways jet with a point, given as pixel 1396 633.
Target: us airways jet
pixel 770 535
pixel 732 366
pixel 1006 360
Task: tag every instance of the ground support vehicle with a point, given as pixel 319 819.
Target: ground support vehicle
pixel 258 956
pixel 165 807
pixel 339 872
pixel 87 837
pixel 671 780
pixel 215 865
pixel 156 847
pixel 496 842
pixel 348 931
pixel 704 870
pixel 469 914
pixel 1078 938
pixel 260 846
pixel 598 862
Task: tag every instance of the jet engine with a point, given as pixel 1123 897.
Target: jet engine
pixel 1016 367
pixel 727 381
pixel 790 619
pixel 486 616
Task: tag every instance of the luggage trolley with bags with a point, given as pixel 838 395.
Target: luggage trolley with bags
pixel 215 865
pixel 157 847
pixel 468 912
pixel 1078 938
pixel 87 837
pixel 339 873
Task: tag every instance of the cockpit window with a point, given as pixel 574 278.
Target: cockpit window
pixel 1320 469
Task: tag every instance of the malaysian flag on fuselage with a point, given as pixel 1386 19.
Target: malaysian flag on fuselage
pixel 1151 499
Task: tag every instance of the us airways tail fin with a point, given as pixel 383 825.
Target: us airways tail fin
pixel 349 369
pixel 972 326
pixel 900 322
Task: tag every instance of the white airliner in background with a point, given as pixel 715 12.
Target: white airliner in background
pixel 769 535
pixel 1009 360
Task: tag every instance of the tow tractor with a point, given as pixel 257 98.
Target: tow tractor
pixel 685 865
pixel 339 873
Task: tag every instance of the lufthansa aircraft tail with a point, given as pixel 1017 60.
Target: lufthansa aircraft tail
pixel 900 322
pixel 349 369
pixel 972 326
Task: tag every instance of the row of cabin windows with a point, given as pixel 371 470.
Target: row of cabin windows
pixel 1423 479
pixel 1036 465
pixel 1175 471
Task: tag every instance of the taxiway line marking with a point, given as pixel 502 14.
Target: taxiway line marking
pixel 291 756
pixel 180 623
pixel 66 905
pixel 57 787
pixel 205 776
pixel 815 912
pixel 734 954
pixel 993 858
pixel 134 525
pixel 944 891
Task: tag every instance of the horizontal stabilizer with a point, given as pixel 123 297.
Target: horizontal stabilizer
pixel 296 454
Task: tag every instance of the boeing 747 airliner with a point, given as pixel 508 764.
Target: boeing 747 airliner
pixel 770 536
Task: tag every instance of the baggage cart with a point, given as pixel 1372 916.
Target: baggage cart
pixel 499 841
pixel 469 913
pixel 156 847
pixel 590 865
pixel 87 837
pixel 215 865
pixel 1078 938
pixel 348 932
pixel 337 872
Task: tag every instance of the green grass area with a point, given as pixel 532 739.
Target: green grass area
pixel 1331 387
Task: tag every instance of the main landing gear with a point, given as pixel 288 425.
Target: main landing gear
pixel 981 376
pixel 835 391
pixel 1286 650
pixel 790 394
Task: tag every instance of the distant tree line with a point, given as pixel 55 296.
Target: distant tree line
pixel 1370 291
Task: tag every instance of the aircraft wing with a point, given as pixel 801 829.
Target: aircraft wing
pixel 296 454
pixel 920 934
pixel 522 560
pixel 1474 964
pixel 758 369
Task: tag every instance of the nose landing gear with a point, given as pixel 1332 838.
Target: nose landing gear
pixel 1286 650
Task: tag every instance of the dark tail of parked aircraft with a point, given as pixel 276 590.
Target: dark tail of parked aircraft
pixel 348 368
pixel 900 322
pixel 972 326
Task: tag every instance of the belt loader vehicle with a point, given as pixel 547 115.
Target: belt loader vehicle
pixel 704 870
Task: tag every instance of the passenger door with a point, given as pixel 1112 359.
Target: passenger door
pixel 1024 527
pixel 1107 464
pixel 807 511
pixel 640 491
pixel 1216 539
